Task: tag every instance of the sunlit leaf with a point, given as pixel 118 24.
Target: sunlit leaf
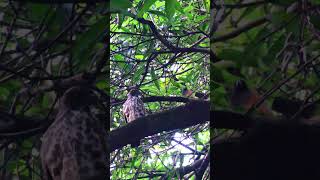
pixel 120 4
pixel 155 78
pixel 87 41
pixel 170 8
pixel 145 7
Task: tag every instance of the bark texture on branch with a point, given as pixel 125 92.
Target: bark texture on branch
pixel 193 113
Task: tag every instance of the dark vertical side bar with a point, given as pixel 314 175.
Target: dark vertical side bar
pixel 107 111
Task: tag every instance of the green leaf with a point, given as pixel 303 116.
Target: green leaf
pixel 206 4
pixel 55 22
pixel 195 76
pixel 170 9
pixel 231 54
pixel 315 21
pixel 46 100
pixel 239 57
pixel 147 4
pixel 149 50
pixel 155 78
pixel 37 11
pixel 219 96
pixel 118 57
pixel 176 84
pixel 139 56
pixel 120 4
pixel 294 26
pixel 85 44
pixel 126 66
pixel 279 18
pixel 247 12
pixel 159 13
pixel 151 89
pixel 138 73
pixel 317 2
pixel 178 7
pixel 223 64
pixel 276 46
pixel 27 144
pixel 102 84
pixel 4 93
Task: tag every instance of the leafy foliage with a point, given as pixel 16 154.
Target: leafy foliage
pixel 160 60
pixel 279 40
pixel 41 46
pixel 273 47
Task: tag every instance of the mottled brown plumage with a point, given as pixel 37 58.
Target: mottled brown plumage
pixel 74 146
pixel 133 108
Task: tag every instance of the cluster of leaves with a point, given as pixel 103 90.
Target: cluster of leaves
pixel 268 44
pixel 272 46
pixel 141 56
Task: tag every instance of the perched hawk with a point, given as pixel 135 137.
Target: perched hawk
pixel 133 108
pixel 74 146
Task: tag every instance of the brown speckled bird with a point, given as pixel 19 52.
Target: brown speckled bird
pixel 74 146
pixel 133 108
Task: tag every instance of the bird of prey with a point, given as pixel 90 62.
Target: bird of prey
pixel 74 146
pixel 133 108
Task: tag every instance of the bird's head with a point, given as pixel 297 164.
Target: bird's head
pixel 77 97
pixel 240 86
pixel 240 93
pixel 134 92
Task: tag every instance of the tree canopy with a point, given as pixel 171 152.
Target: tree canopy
pixel 161 47
pixel 273 47
pixel 45 48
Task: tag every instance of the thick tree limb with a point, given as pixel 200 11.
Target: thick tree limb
pixel 155 99
pixel 193 113
pixel 13 125
pixel 237 121
pixel 282 151
pixel 290 107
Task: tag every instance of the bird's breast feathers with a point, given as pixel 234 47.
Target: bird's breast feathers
pixel 133 108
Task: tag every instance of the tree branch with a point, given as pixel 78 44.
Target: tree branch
pixel 155 99
pixel 192 167
pixel 243 28
pixel 167 43
pixel 193 113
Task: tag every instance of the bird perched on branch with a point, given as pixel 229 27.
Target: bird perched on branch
pixel 133 108
pixel 244 97
pixel 189 93
pixel 74 146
